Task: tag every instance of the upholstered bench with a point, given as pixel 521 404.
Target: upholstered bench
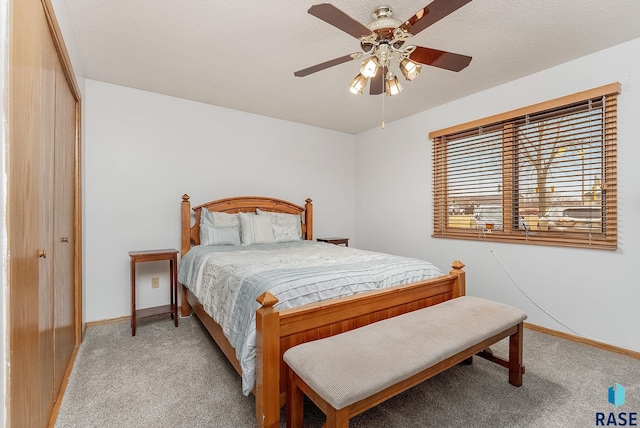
pixel 351 372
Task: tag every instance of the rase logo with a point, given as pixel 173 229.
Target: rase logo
pixel 616 396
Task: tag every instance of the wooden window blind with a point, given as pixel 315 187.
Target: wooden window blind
pixel 543 174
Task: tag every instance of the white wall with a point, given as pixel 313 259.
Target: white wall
pixel 593 293
pixel 144 151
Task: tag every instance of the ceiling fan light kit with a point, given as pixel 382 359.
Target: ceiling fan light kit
pixel 358 84
pixel 391 85
pixel 410 69
pixel 383 39
pixel 369 67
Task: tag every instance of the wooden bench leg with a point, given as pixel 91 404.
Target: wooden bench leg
pixel 515 357
pixel 295 402
pixel 337 418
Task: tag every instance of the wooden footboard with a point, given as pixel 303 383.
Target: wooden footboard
pixel 278 331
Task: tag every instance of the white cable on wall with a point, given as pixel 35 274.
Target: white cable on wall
pixel 524 293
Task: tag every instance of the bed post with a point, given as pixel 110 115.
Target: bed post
pixel 460 287
pixel 308 219
pixel 185 221
pixel 267 390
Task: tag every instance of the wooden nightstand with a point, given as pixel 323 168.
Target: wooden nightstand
pixel 335 240
pixel 153 256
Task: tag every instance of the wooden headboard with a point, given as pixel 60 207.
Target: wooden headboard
pixel 191 234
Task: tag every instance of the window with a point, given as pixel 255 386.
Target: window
pixel 544 174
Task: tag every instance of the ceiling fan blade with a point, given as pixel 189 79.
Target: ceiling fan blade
pixel 319 67
pixel 334 16
pixel 431 14
pixel 441 59
pixel 376 86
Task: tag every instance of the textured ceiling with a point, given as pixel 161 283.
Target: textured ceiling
pixel 242 55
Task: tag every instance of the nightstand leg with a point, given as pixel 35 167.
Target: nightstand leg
pixel 174 290
pixel 171 285
pixel 133 298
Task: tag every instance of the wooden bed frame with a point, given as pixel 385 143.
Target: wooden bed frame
pixel 277 331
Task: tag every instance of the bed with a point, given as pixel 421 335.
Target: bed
pixel 280 325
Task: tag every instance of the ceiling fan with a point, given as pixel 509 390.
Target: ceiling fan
pixel 383 39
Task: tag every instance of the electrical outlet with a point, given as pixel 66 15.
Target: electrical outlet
pixel 155 282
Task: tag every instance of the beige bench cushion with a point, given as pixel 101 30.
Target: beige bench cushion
pixel 354 365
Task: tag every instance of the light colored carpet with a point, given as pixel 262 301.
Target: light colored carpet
pixel 177 377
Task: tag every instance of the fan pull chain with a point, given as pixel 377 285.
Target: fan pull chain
pixel 383 96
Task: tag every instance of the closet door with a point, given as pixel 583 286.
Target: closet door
pixel 42 214
pixel 29 154
pixel 63 226
pixel 41 168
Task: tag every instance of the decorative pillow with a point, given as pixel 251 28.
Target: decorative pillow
pixel 256 229
pixel 287 233
pixel 282 223
pixel 218 219
pixel 225 235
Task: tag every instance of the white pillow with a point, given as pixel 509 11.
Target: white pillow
pixel 256 229
pixel 225 235
pixel 287 233
pixel 218 219
pixel 282 224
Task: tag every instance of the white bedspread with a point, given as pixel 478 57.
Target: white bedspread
pixel 228 279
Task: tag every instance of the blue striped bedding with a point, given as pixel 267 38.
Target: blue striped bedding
pixel 228 279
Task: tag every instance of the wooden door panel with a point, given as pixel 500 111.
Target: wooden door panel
pixel 63 230
pixel 22 218
pixel 28 133
pixel 46 209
